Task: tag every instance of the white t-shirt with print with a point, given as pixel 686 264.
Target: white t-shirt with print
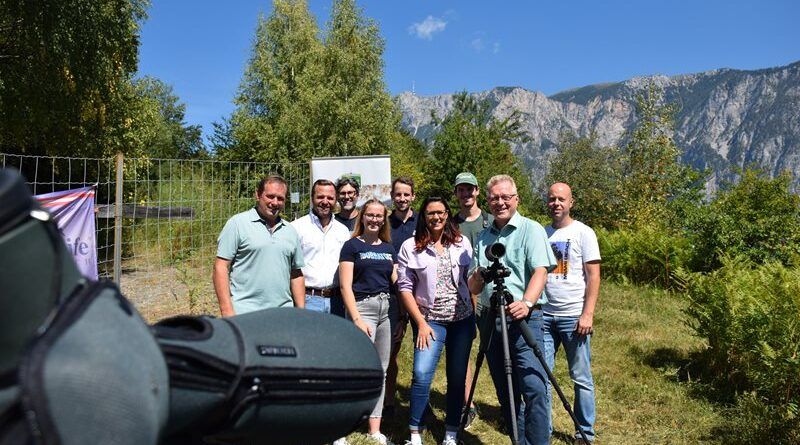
pixel 573 246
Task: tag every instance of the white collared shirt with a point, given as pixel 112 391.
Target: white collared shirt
pixel 320 248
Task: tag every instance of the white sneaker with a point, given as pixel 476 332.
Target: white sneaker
pixel 341 441
pixel 381 439
pixel 447 441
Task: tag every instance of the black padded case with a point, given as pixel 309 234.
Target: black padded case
pixel 93 374
pixel 277 376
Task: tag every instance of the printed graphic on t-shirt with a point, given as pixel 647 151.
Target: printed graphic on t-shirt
pixel 561 252
pixel 375 256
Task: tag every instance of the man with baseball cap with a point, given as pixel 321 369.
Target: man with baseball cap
pixel 470 218
pixel 471 221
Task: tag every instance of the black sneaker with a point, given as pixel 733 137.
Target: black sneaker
pixel 471 416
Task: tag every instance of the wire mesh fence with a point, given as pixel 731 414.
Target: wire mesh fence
pixel 167 217
pixel 53 174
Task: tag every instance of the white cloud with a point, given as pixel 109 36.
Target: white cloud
pixel 496 48
pixel 428 27
pixel 477 44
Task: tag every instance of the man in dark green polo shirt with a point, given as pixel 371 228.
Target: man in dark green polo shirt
pixel 471 221
pixel 470 218
pixel 259 256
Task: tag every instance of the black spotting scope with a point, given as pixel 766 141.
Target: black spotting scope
pixel 496 270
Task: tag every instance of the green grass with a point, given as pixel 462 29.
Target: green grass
pixel 645 395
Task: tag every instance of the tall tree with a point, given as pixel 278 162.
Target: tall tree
pixel 170 137
pixel 273 120
pixel 302 96
pixel 470 139
pixel 66 68
pixel 653 175
pixel 357 115
pixel 410 158
pixel 594 173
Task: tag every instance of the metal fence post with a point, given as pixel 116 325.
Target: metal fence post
pixel 118 222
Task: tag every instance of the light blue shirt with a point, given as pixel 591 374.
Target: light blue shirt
pixel 526 249
pixel 261 261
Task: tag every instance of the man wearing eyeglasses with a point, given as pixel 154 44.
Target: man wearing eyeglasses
pixel 529 258
pixel 347 194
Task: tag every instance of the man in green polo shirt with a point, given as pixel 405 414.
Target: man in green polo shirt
pixel 529 258
pixel 259 256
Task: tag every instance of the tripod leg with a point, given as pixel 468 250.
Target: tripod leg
pixel 509 370
pixel 537 351
pixel 486 322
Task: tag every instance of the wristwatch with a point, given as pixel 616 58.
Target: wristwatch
pixel 529 304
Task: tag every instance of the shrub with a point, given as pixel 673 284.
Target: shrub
pixel 754 421
pixel 750 317
pixel 646 255
pixel 758 218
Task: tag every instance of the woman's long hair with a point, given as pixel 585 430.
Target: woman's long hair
pixel 385 233
pixel 422 236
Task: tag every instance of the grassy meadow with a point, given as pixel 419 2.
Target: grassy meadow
pixel 645 394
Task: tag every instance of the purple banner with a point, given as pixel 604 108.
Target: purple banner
pixel 73 211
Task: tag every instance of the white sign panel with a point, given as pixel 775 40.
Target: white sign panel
pixel 374 173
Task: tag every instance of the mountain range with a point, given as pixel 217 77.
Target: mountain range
pixel 726 119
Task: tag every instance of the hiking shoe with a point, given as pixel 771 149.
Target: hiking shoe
pixel 341 441
pixel 447 441
pixel 472 414
pixel 381 439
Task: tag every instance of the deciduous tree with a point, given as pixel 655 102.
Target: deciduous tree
pixel 272 120
pixel 653 177
pixel 594 173
pixel 66 67
pixel 470 139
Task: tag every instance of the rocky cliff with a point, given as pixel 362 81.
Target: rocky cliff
pixel 726 118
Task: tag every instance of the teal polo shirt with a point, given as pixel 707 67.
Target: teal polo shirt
pixel 526 249
pixel 261 261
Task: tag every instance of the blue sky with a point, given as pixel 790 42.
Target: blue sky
pixel 201 47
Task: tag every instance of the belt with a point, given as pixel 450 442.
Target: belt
pixel 327 292
pixel 360 297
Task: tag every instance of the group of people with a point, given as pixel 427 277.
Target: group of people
pixel 384 269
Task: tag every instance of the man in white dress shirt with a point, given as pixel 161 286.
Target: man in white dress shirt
pixel 321 239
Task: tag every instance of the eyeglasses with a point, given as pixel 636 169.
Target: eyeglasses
pixel 438 213
pixel 347 193
pixel 373 216
pixel 505 198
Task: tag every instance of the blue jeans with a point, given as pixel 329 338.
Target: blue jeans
pixel 318 304
pixel 456 337
pixel 528 377
pixel 561 331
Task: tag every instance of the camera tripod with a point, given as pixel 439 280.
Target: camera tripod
pixel 499 299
